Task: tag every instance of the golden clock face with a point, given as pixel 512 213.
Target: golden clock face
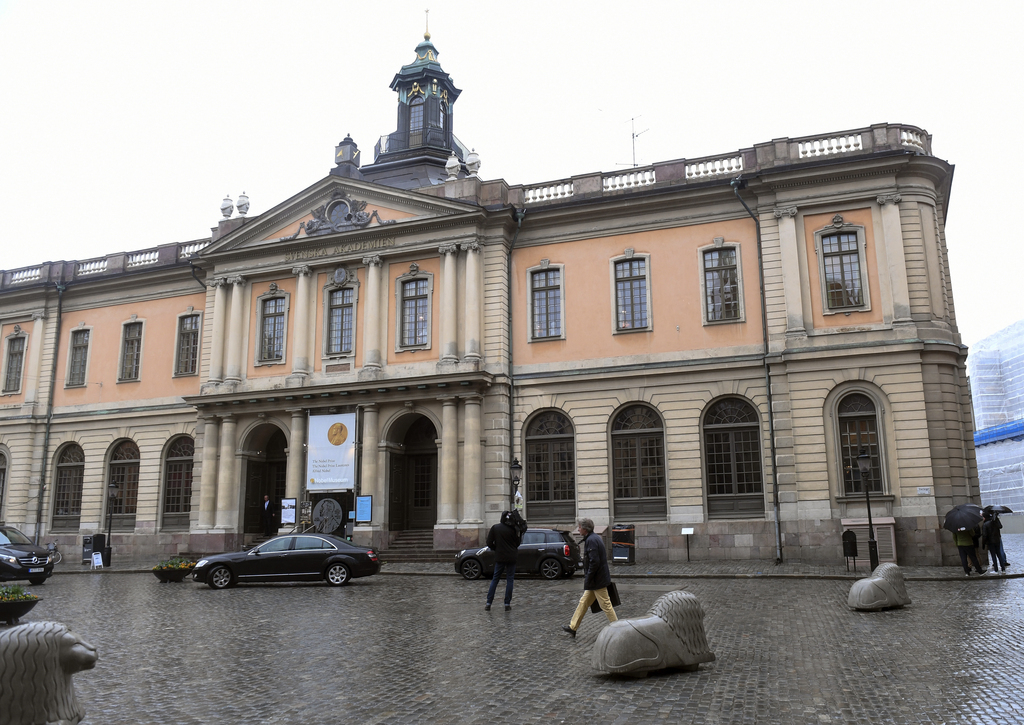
pixel 337 434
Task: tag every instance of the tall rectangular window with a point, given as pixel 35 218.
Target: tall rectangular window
pixel 841 260
pixel 188 345
pixel 131 351
pixel 547 303
pixel 415 313
pixel 631 294
pixel 272 335
pixel 79 357
pixel 339 328
pixel 15 363
pixel 721 285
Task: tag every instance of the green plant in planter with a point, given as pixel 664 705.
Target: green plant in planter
pixel 16 593
pixel 177 563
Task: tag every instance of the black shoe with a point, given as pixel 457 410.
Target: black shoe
pixel 487 607
pixel 508 607
pixel 982 571
pixel 570 630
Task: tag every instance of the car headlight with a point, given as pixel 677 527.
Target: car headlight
pixel 49 559
pixel 9 559
pixel 201 562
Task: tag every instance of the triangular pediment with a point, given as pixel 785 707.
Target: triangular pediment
pixel 334 206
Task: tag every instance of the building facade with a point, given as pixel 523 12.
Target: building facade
pixel 703 344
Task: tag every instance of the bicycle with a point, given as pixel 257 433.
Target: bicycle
pixel 54 552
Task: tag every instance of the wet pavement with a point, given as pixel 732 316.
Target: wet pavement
pixel 419 647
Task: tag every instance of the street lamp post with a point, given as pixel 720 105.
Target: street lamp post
pixel 515 472
pixel 864 464
pixel 112 490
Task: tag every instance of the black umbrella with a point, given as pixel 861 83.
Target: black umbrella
pixel 998 509
pixel 963 517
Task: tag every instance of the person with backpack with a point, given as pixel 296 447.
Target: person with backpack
pixel 504 539
pixel 596 578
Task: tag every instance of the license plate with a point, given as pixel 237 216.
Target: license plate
pixel 35 571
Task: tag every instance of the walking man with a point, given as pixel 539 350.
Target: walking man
pixel 596 577
pixel 504 540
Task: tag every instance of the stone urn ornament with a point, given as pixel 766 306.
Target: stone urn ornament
pixel 452 166
pixel 227 206
pixel 242 205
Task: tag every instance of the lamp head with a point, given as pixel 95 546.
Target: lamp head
pixel 516 471
pixel 864 462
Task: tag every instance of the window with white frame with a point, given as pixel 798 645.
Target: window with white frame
pixel 187 347
pixel 841 266
pixel 414 300
pixel 14 363
pixel 340 336
pixel 78 357
pixel 721 283
pixel 546 303
pixel 273 313
pixel 131 351
pixel 631 277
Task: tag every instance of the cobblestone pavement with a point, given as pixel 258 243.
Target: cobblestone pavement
pixel 417 648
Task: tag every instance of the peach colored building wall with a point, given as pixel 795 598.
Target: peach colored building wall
pixel 257 290
pixel 430 265
pixel 675 289
pixel 27 327
pixel 318 334
pixel 159 340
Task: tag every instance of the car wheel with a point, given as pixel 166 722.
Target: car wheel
pixel 551 569
pixel 38 580
pixel 471 569
pixel 337 575
pixel 219 578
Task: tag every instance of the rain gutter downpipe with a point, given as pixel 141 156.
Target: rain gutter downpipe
pixel 737 184
pixel 49 411
pixel 518 215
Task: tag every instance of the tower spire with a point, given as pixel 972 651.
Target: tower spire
pixel 426 33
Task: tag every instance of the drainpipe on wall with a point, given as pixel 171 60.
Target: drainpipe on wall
pixel 738 184
pixel 518 215
pixel 49 411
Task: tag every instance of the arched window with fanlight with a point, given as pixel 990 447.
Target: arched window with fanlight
pixel 638 463
pixel 416 108
pixel 550 467
pixel 124 473
pixel 178 483
pixel 732 460
pixel 67 490
pixel 858 430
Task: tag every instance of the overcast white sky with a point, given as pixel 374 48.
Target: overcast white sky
pixel 124 124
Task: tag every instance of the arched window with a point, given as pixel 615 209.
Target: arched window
pixel 124 473
pixel 178 483
pixel 67 494
pixel 550 468
pixel 858 429
pixel 638 463
pixel 416 122
pixel 732 459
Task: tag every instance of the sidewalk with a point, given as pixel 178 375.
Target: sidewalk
pixel 704 569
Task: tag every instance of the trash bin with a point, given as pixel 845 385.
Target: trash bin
pixel 623 544
pixel 86 549
pixel 99 546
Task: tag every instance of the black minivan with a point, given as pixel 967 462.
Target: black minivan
pixel 548 552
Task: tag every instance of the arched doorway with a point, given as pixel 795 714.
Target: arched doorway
pixel 265 472
pixel 412 476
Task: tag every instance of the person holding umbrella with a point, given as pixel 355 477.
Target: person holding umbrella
pixel 962 520
pixel 992 538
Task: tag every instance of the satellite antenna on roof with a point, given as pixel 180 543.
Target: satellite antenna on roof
pixel 633 136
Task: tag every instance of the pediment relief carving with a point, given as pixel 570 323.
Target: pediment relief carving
pixel 341 213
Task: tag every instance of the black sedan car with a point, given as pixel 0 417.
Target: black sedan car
pixel 547 552
pixel 289 558
pixel 21 559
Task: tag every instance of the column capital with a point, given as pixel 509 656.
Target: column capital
pixel 38 315
pixel 472 398
pixel 448 399
pixel 470 246
pixel 295 411
pixel 372 261
pixel 372 407
pixel 228 417
pixel 448 249
pixel 302 270
pixel 218 281
pixel 888 198
pixel 780 212
pixel 236 279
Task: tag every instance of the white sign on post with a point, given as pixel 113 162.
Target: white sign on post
pixel 97 560
pixel 330 460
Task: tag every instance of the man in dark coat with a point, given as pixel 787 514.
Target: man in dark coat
pixel 992 539
pixel 504 540
pixel 596 577
pixel 267 516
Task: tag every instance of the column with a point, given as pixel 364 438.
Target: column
pixel 791 277
pixel 236 331
pixel 220 312
pixel 472 463
pixel 208 482
pixel 227 479
pixel 448 508
pixel 296 472
pixel 371 318
pixel 34 358
pixel 369 481
pixel 473 302
pixel 449 312
pixel 896 260
pixel 300 339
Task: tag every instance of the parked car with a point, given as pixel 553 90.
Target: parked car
pixel 21 559
pixel 548 552
pixel 289 558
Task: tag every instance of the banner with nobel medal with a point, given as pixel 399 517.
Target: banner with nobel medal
pixel 330 455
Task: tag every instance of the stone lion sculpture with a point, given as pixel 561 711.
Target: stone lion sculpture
pixel 884 589
pixel 37 661
pixel 671 634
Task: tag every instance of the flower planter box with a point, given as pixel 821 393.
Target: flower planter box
pixel 11 612
pixel 171 575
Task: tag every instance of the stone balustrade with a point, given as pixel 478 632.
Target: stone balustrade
pixel 709 168
pixel 139 259
pixel 628 180
pixel 548 192
pixel 26 275
pixel 187 250
pixel 91 267
pixel 829 146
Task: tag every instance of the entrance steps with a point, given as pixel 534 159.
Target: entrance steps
pixel 415 545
